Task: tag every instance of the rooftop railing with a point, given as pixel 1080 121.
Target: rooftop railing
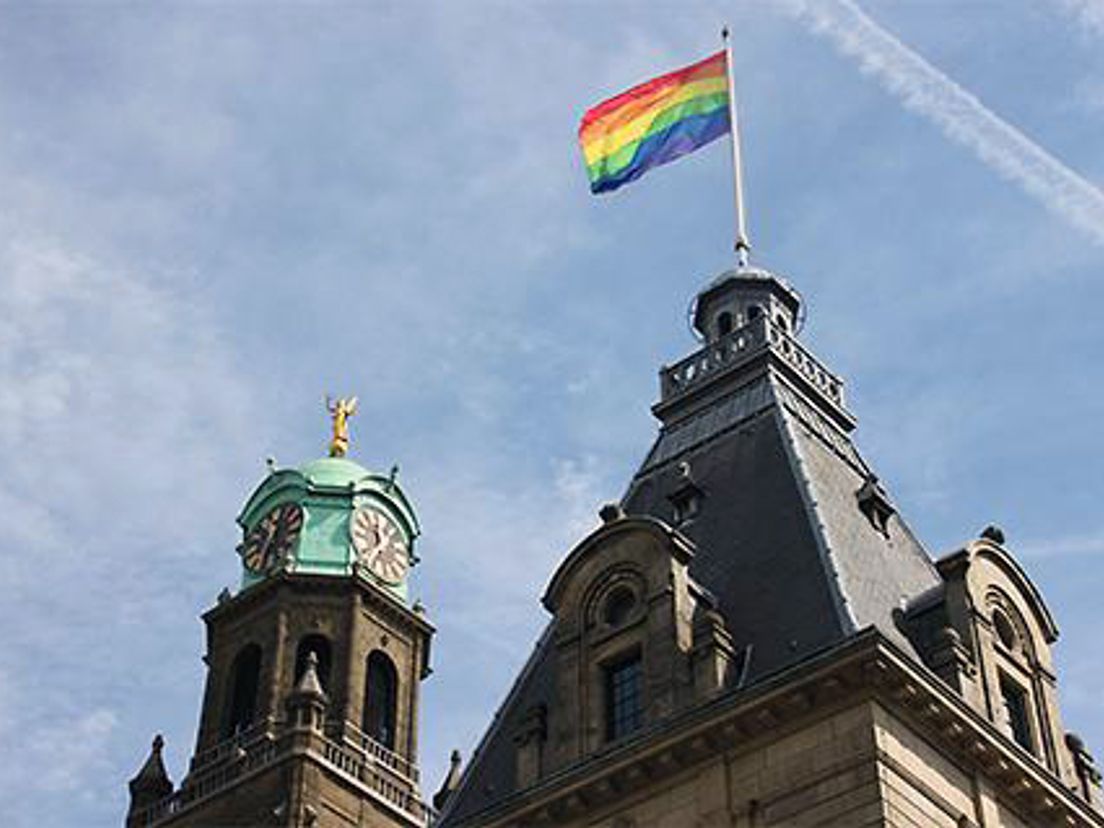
pixel 371 764
pixel 376 752
pixel 740 346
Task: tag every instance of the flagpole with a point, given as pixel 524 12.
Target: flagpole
pixel 743 246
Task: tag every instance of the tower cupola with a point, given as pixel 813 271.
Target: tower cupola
pixel 738 297
pixel 331 516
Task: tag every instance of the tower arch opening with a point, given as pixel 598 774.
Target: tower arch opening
pixel 320 646
pixel 380 699
pixel 241 697
pixel 724 323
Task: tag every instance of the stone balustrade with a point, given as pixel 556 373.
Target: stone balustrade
pixel 231 745
pixel 371 764
pixel 378 753
pixel 740 346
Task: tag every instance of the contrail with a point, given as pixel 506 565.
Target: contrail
pixel 959 114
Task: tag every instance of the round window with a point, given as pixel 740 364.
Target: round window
pixel 1005 631
pixel 619 606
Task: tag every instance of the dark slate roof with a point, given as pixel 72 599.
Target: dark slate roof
pixel 780 539
pixel 781 542
pixel 489 776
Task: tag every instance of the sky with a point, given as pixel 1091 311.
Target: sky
pixel 212 214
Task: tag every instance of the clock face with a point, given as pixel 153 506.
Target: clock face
pixel 379 544
pixel 273 538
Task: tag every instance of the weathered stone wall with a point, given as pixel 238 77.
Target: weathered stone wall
pixel 857 766
pixel 825 773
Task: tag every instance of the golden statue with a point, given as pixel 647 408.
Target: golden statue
pixel 340 411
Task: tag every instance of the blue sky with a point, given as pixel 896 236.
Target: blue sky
pixel 212 214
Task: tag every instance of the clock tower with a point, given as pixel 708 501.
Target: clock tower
pixel 310 711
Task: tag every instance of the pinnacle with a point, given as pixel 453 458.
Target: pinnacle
pixel 309 682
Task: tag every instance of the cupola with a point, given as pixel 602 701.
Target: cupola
pixel 738 297
pixel 331 516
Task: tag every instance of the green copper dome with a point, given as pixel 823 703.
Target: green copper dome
pixel 331 516
pixel 334 471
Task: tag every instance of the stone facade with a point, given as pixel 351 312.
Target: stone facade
pixel 859 737
pixel 292 769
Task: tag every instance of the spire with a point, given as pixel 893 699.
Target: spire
pixel 308 684
pixel 152 782
pixel 307 703
pixel 450 783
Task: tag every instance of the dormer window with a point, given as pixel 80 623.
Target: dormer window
pixel 1016 713
pixel 686 497
pixel 874 503
pixel 624 708
pixel 686 506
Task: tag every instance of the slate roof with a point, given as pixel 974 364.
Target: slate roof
pixel 781 541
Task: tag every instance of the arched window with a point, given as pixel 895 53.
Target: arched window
pixel 754 312
pixel 724 323
pixel 320 646
pixel 380 697
pixel 241 700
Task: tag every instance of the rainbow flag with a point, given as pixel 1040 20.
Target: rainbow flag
pixel 655 123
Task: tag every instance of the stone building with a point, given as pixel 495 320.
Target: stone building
pixel 310 711
pixel 752 637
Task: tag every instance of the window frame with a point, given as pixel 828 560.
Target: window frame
pixel 613 720
pixel 1017 716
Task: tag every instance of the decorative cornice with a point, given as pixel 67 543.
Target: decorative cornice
pixel 253 596
pixel 867 666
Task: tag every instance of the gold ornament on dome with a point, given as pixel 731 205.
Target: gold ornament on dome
pixel 340 410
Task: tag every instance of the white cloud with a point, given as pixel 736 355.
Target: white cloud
pixel 120 416
pixel 70 754
pixel 1089 14
pixel 582 490
pixel 963 118
pixel 106 376
pixel 62 751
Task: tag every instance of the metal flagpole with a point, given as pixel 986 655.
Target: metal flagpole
pixel 743 246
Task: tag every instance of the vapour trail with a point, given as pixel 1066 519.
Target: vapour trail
pixel 958 113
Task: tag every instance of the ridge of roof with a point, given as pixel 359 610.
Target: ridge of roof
pixel 485 742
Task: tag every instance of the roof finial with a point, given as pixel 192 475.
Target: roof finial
pixel 340 410
pixel 152 783
pixel 450 783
